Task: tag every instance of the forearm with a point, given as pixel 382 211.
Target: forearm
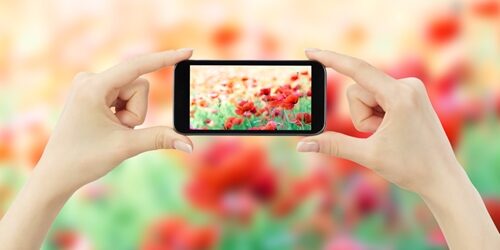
pixel 30 216
pixel 461 213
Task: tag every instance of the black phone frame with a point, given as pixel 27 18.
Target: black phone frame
pixel 182 96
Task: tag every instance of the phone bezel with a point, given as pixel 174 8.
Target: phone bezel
pixel 182 101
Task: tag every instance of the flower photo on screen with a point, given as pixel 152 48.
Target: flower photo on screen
pixel 250 97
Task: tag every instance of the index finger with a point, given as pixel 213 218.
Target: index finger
pixel 360 71
pixel 126 72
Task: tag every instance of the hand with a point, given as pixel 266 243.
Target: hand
pixel 96 129
pixel 408 146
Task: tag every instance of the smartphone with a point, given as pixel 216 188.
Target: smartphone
pixel 241 97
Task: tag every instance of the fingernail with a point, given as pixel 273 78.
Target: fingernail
pixel 184 49
pixel 311 49
pixel 308 146
pixel 182 146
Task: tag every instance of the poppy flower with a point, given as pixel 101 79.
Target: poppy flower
pixel 276 112
pixel 6 144
pixel 228 124
pixel 303 118
pixel 227 171
pixel 365 196
pixel 226 35
pixel 262 111
pixel 285 89
pixel 275 100
pixel 263 185
pixel 289 102
pixel 294 77
pixel 443 28
pixel 65 239
pixel 203 103
pixel 486 8
pixel 245 108
pixel 265 91
pixel 69 239
pixel 271 125
pixel 174 233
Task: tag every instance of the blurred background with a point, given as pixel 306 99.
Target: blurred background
pixel 249 192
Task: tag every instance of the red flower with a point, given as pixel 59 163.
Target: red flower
pixel 6 144
pixel 275 101
pixel 177 234
pixel 294 77
pixel 365 196
pixel 232 121
pixel 265 91
pixel 486 8
pixel 303 118
pixel 263 185
pixel 227 171
pixel 203 103
pixel 289 102
pixel 226 36
pixel 271 125
pixel 66 239
pixel 276 112
pixel 245 108
pixel 284 89
pixel 443 28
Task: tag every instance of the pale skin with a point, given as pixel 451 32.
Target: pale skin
pixel 408 146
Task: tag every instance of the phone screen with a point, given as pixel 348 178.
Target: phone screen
pixel 250 97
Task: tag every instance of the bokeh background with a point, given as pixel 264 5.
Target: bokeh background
pixel 249 192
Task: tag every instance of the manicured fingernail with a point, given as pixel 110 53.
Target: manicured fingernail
pixel 311 49
pixel 182 146
pixel 185 49
pixel 308 146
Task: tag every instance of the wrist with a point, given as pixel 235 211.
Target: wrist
pixel 448 178
pixel 50 185
pixel 460 212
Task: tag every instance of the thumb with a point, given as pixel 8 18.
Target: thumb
pixel 335 144
pixel 154 138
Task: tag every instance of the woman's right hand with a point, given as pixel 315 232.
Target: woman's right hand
pixel 408 147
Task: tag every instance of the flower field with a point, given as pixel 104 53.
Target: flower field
pixel 250 97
